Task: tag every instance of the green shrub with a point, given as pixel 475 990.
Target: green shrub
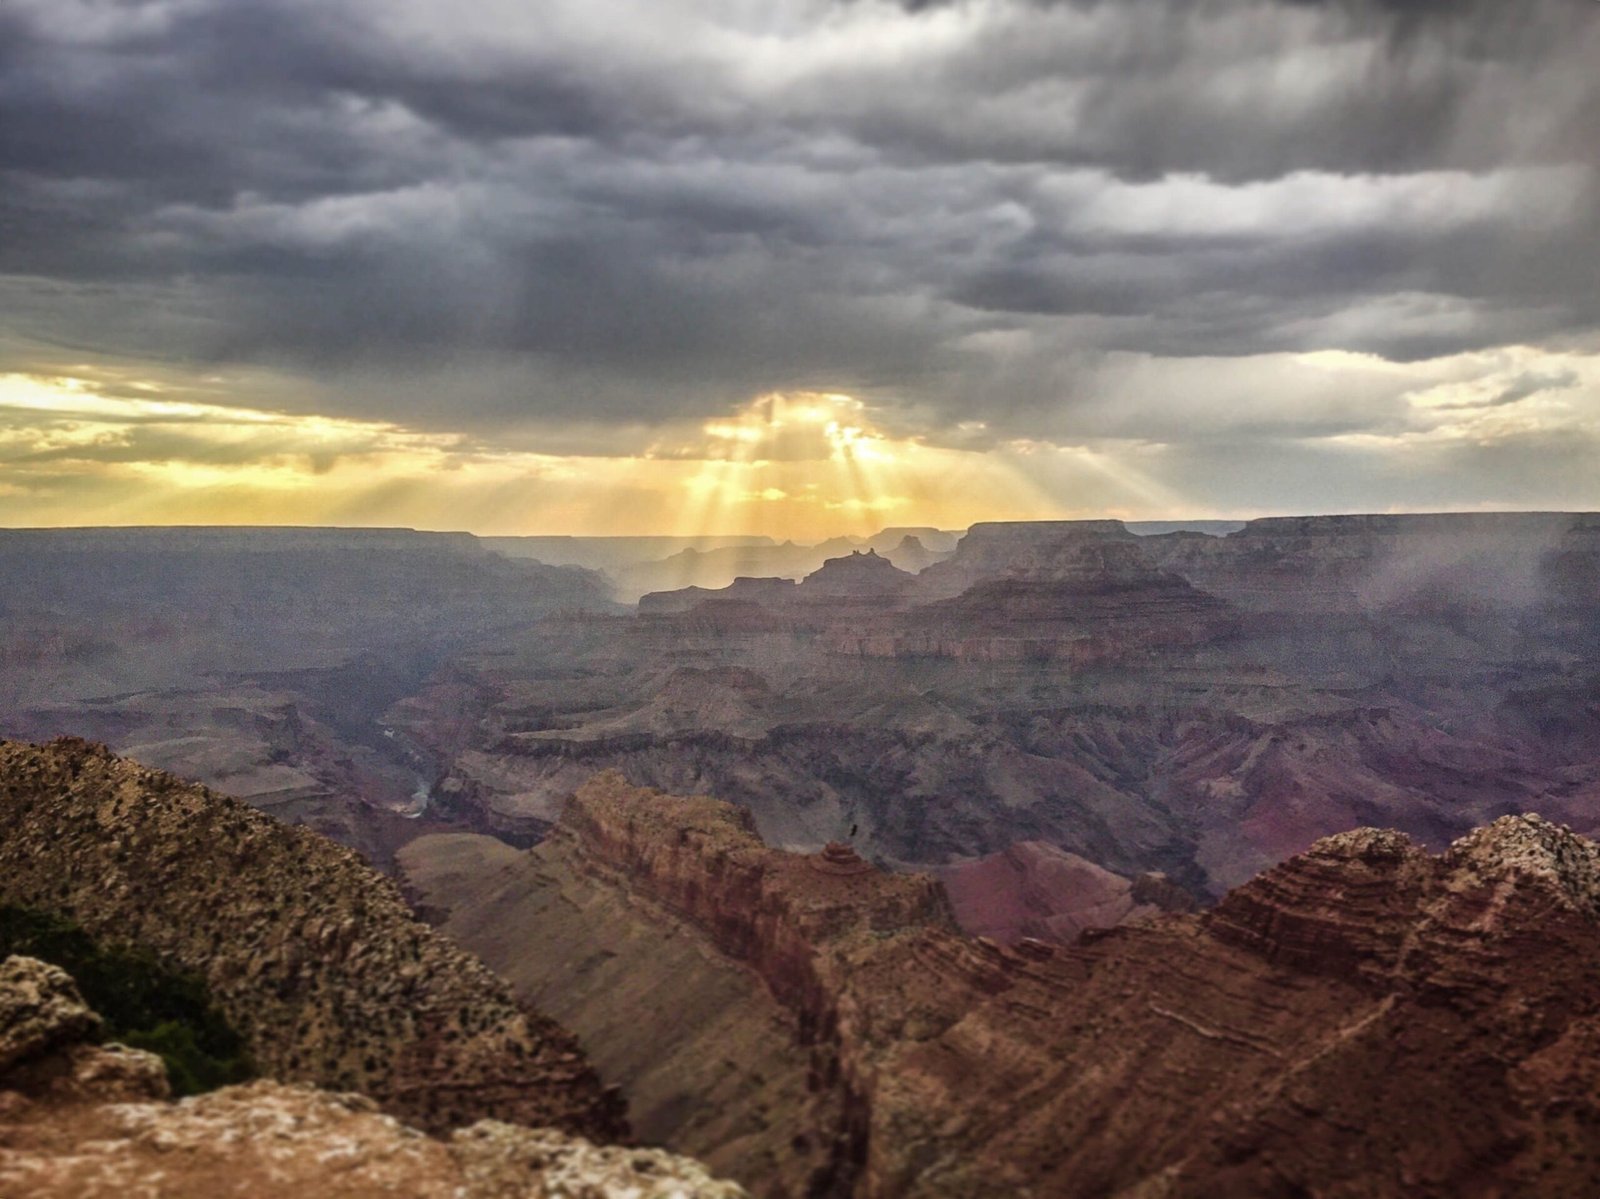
pixel 144 1003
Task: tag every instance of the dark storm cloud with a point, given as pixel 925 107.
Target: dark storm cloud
pixel 494 215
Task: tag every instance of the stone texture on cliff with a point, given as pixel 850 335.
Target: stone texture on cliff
pixel 40 1010
pixel 82 1121
pixel 1363 1020
pixel 311 954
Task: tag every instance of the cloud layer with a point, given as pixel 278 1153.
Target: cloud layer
pixel 1115 226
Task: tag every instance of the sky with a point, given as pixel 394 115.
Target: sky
pixel 795 267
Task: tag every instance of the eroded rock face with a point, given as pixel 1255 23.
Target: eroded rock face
pixel 311 954
pixel 1364 1020
pixel 40 1011
pixel 1098 611
pixel 856 576
pixel 82 1121
pixel 50 1050
pixel 710 1061
pixel 994 549
pixel 1076 592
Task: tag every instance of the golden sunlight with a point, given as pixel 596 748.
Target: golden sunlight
pixel 99 448
pixel 809 465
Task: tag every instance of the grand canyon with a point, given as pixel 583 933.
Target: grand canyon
pixel 814 599
pixel 1044 858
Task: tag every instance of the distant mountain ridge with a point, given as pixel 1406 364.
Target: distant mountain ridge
pixel 1196 705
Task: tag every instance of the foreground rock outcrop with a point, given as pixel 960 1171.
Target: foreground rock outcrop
pixel 313 956
pixel 40 1010
pixel 1364 1020
pixel 80 1120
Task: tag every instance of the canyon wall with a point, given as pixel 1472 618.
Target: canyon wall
pixel 1365 1019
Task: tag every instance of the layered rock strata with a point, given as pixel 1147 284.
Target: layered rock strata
pixel 706 1055
pixel 1117 607
pixel 1073 592
pixel 1365 1019
pixel 1419 564
pixel 996 549
pixel 313 956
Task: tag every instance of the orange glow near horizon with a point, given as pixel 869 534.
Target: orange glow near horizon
pixel 801 466
pixel 106 445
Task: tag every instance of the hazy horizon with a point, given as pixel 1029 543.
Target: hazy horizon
pixel 721 535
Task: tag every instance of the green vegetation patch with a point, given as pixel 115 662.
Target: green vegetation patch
pixel 144 1003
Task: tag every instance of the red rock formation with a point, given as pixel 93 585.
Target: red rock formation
pixel 1363 1020
pixel 838 858
pixel 1036 890
pixel 701 860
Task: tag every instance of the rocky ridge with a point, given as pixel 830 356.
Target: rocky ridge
pixel 82 1120
pixel 1365 1019
pixel 313 956
pixel 1421 564
pixel 1076 592
pixel 658 603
